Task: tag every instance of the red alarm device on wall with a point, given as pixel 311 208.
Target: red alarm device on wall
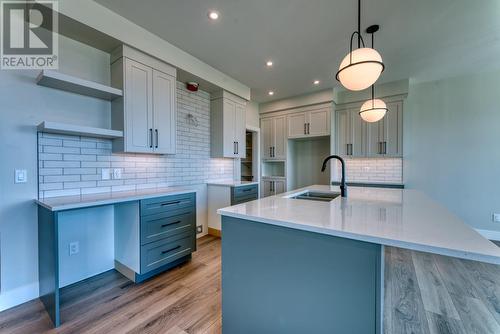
pixel 192 86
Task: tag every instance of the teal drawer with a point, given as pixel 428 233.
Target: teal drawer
pixel 245 190
pixel 244 199
pixel 244 194
pixel 160 253
pixel 167 203
pixel 167 224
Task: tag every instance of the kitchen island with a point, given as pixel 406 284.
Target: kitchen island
pixel 299 265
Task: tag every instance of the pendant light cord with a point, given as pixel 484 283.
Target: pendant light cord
pixel 359 24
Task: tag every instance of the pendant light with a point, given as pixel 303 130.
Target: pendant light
pixel 373 110
pixel 360 68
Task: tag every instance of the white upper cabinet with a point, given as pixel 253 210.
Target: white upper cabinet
pixel 164 112
pixel 356 138
pixel 147 111
pixel 273 138
pixel 351 133
pixel 227 126
pixel 385 137
pixel 311 123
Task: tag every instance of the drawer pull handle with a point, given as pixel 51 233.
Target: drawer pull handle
pixel 245 190
pixel 176 222
pixel 170 203
pixel 171 249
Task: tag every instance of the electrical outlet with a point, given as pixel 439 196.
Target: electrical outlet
pixel 117 173
pixel 21 176
pixel 74 248
pixel 105 174
pixel 496 217
pixel 199 229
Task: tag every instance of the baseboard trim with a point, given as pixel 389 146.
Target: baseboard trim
pixel 489 234
pixel 18 296
pixel 215 232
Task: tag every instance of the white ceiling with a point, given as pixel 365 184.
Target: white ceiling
pixel 307 39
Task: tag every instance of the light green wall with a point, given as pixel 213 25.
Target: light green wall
pixel 452 145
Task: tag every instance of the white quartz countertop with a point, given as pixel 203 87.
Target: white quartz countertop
pixel 231 183
pixel 85 201
pixel 394 217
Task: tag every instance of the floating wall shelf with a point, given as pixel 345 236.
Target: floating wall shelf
pixel 77 130
pixel 76 85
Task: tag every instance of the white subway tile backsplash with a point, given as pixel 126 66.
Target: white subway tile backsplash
pixel 73 161
pixel 386 170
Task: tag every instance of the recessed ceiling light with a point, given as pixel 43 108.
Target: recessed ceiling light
pixel 316 82
pixel 269 63
pixel 213 15
pixel 271 93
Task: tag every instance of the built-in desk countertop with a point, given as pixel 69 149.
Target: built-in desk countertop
pixel 87 201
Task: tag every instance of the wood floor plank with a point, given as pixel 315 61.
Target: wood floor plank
pixel 435 296
pixel 408 314
pixel 439 324
pixel 475 316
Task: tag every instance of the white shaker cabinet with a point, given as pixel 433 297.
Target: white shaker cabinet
pixel 385 137
pixel 357 138
pixel 271 187
pixel 311 123
pixel 351 133
pixel 274 138
pixel 227 126
pixel 147 111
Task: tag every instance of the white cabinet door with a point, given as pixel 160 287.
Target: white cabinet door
pixel 357 129
pixel 392 135
pixel 266 188
pixel 279 150
pixel 297 125
pixel 164 111
pixel 240 130
pixel 343 132
pixel 138 107
pixel 279 187
pixel 228 130
pixel 318 122
pixel 267 128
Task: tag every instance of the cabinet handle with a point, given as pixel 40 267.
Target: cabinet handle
pixel 385 147
pixel 270 151
pixel 156 132
pixel 305 128
pixel 234 147
pixel 379 147
pixel 176 222
pixel 272 185
pixel 150 138
pixel 171 249
pixel 274 153
pixel 308 128
pixel 170 203
pixel 237 147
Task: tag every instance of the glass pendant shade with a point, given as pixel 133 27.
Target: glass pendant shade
pixel 373 110
pixel 360 69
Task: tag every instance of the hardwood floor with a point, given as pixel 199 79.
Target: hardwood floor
pixel 424 294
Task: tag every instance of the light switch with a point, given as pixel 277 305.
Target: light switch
pixel 496 217
pixel 117 173
pixel 21 176
pixel 105 174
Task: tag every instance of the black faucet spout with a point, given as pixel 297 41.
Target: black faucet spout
pixel 343 186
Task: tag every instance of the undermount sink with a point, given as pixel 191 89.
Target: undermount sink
pixel 316 196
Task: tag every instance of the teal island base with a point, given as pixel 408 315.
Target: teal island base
pixel 283 280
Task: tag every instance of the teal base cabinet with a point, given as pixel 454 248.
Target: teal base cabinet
pixel 153 234
pixel 281 280
pixel 150 236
